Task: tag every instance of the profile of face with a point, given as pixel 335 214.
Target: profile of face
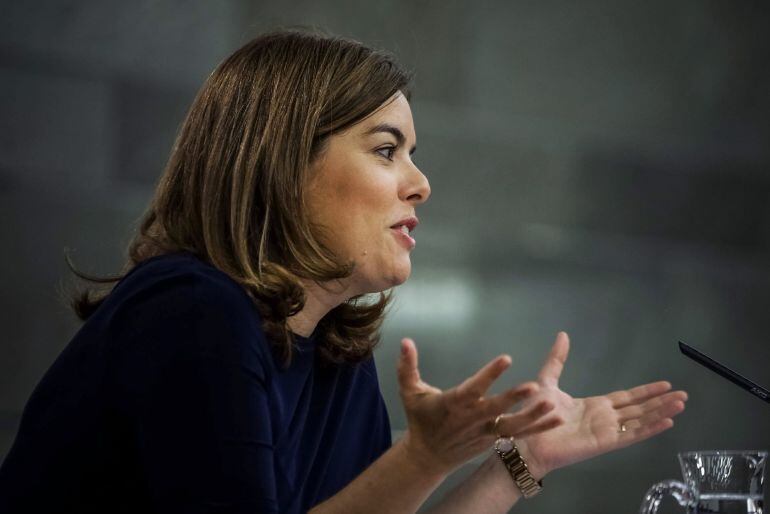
pixel 363 192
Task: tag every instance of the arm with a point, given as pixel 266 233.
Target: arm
pixel 191 381
pixel 446 428
pixel 205 437
pixel 591 427
pixel 575 430
pixel 488 490
pixel 396 482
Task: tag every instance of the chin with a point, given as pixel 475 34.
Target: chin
pixel 373 280
pixel 398 281
pixel 400 276
pixel 385 283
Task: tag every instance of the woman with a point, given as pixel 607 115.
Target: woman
pixel 229 368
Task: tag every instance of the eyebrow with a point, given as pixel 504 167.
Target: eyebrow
pixel 390 129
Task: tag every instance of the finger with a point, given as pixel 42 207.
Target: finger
pixel 637 411
pixel 504 401
pixel 408 373
pixel 668 410
pixel 541 426
pixel 638 394
pixel 643 432
pixel 554 363
pixel 512 424
pixel 476 386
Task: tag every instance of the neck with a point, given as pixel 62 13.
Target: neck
pixel 318 302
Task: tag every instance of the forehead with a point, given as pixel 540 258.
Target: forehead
pixel 396 112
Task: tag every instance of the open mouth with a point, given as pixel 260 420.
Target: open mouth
pixel 406 225
pixel 403 230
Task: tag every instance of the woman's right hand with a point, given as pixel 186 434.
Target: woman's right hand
pixel 447 428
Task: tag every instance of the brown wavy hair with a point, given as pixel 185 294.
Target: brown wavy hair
pixel 233 191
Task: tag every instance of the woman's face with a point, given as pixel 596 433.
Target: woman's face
pixel 363 192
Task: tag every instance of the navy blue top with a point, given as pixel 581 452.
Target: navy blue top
pixel 169 399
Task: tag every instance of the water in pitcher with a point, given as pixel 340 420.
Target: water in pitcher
pixel 725 503
pixel 716 481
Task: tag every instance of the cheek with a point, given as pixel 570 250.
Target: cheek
pixel 364 208
pixel 354 208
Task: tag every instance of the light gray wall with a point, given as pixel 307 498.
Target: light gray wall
pixel 597 167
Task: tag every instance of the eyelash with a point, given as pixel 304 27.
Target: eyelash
pixel 391 150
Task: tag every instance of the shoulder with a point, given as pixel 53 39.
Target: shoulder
pixel 181 276
pixel 179 297
pixel 178 285
pixel 361 377
pixel 368 369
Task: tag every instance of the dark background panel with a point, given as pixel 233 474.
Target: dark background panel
pixel 597 167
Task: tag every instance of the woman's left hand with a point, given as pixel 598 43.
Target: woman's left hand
pixel 597 424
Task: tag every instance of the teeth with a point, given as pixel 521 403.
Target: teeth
pixel 405 229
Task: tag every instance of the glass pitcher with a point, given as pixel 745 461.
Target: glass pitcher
pixel 728 482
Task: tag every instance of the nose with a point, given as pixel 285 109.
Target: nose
pixel 417 188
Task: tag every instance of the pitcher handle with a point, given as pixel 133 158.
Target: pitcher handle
pixel 681 492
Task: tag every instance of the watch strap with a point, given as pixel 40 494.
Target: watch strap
pixel 517 467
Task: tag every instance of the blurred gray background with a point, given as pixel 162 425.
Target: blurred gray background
pixel 597 167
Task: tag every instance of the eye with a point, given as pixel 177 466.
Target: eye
pixel 387 152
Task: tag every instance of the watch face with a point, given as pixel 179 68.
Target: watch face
pixel 504 444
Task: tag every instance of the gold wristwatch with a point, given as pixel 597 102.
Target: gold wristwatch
pixel 509 453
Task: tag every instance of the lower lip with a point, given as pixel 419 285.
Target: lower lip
pixel 404 239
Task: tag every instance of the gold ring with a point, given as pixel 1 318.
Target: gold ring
pixel 497 422
pixel 622 428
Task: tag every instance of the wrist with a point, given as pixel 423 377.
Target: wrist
pixel 537 469
pixel 420 457
pixel 502 486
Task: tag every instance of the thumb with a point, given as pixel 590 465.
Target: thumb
pixel 408 374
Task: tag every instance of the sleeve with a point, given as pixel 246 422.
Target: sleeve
pixel 195 378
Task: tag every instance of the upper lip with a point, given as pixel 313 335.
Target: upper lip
pixel 411 222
